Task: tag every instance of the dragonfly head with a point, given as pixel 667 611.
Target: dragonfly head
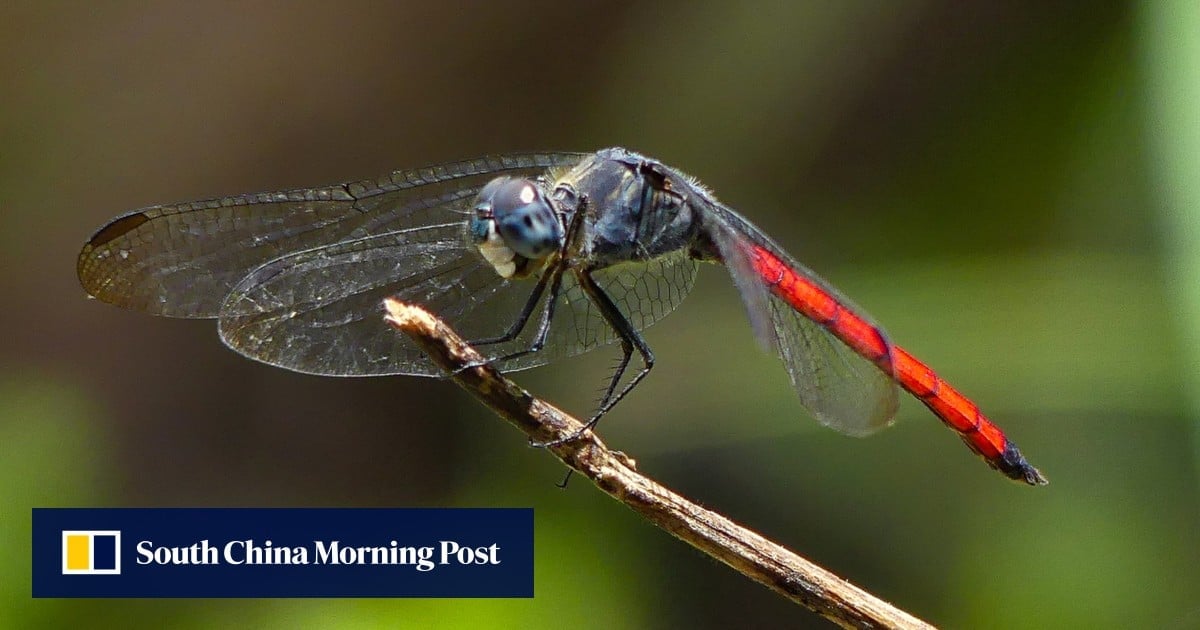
pixel 513 223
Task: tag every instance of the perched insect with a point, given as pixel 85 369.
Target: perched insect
pixel 592 247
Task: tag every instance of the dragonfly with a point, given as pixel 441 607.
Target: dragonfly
pixel 535 256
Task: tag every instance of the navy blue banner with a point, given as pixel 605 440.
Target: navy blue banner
pixel 235 552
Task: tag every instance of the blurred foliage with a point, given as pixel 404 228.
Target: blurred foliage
pixel 1010 188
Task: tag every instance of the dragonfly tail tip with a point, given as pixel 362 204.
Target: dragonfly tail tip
pixel 1034 477
pixel 1012 463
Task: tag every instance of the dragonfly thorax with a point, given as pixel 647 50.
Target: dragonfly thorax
pixel 514 224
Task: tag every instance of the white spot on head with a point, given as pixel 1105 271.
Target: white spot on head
pixel 496 252
pixel 498 255
pixel 528 194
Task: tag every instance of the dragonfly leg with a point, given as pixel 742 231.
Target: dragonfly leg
pixel 522 318
pixel 543 332
pixel 631 340
pixel 618 372
pixel 552 277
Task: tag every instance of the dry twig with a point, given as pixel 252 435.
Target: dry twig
pixel 615 473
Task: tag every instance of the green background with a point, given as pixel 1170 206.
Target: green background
pixel 1011 188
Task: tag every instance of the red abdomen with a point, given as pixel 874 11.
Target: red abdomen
pixel 955 410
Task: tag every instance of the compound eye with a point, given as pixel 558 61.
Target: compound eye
pixel 526 219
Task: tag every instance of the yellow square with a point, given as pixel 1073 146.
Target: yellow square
pixel 78 548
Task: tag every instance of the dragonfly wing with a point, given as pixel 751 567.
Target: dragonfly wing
pixel 755 294
pixel 182 260
pixel 320 311
pixel 839 387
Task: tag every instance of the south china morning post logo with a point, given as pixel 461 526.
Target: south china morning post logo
pixel 91 552
pixel 321 552
pixel 253 552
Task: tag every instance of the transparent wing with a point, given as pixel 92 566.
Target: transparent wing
pixel 840 388
pixel 182 260
pixel 319 311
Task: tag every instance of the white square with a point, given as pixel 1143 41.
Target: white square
pixel 91 534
